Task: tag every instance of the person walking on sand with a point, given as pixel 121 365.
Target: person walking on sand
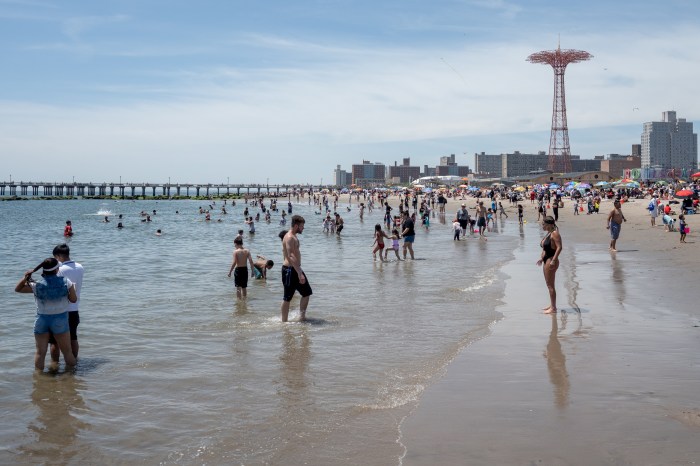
pixel 239 267
pixel 653 209
pixel 52 295
pixel 501 211
pixel 74 272
pixel 408 233
pixel 551 246
pixel 615 219
pixel 683 227
pixel 293 278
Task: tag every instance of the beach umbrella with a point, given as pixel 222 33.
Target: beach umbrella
pixel 629 184
pixel 602 183
pixel 684 193
pixel 695 175
pixel 520 189
pixel 662 182
pixel 428 190
pixel 583 186
pixel 463 185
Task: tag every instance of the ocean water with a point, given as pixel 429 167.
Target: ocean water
pixel 174 370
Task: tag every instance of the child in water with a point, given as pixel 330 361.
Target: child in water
pixel 394 244
pixel 378 243
pixel 457 229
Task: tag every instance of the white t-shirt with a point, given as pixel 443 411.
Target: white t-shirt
pixel 74 272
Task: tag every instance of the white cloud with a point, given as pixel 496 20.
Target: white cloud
pixel 233 117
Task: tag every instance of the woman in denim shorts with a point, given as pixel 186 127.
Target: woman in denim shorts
pixel 52 295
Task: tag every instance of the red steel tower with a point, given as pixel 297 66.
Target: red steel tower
pixel 559 150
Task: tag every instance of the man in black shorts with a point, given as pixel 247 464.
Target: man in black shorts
pixel 293 278
pixel 74 272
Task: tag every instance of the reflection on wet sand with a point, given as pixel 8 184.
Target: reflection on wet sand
pixel 618 278
pixel 572 281
pixel 56 427
pixel 556 365
pixel 296 352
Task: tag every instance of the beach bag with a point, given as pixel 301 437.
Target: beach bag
pixel 561 204
pixel 651 206
pixel 580 209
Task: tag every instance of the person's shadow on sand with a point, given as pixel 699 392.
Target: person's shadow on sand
pixel 556 365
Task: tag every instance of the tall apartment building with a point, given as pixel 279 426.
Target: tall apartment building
pixel 369 174
pixel 637 150
pixel 341 177
pixel 669 143
pixel 585 165
pixel 404 173
pixel 449 167
pixel 489 165
pixel 517 164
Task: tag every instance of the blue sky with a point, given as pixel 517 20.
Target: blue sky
pixel 279 90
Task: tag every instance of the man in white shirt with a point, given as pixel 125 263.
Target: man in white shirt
pixel 74 272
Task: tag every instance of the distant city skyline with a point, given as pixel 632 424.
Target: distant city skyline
pixel 284 92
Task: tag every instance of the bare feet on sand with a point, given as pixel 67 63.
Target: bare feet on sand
pixel 549 310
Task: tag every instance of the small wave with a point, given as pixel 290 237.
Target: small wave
pixel 395 394
pixel 485 280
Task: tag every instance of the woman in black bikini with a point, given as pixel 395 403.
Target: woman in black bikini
pixel 551 248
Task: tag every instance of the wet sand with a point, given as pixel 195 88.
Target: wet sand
pixel 612 379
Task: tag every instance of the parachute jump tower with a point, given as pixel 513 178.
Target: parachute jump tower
pixel 559 150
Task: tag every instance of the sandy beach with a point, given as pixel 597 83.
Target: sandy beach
pixel 612 379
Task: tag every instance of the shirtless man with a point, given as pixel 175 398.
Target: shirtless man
pixel 293 278
pixel 615 219
pixel 240 269
pixel 481 218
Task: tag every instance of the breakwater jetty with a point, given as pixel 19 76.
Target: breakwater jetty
pixel 55 189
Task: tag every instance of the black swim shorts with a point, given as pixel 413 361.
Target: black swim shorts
pixel 73 321
pixel 240 277
pixel 290 282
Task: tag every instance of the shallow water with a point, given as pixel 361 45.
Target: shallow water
pixel 174 371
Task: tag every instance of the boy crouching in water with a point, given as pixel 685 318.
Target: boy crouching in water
pixel 239 267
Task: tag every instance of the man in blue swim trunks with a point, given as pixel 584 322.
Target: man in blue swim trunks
pixel 293 278
pixel 615 219
pixel 408 233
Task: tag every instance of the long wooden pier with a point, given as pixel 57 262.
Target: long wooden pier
pixel 51 189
